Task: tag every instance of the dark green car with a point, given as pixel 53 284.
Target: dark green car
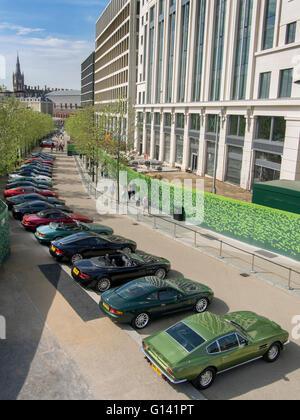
pixel 54 231
pixel 203 345
pixel 151 297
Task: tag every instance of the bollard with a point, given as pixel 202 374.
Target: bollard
pixel 221 249
pixel 252 265
pixel 195 239
pixel 290 278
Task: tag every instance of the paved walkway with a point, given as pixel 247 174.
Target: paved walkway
pixel 50 317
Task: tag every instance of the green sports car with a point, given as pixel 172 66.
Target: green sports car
pixel 151 297
pixel 54 231
pixel 203 345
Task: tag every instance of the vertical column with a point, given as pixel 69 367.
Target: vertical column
pixel 221 163
pixel 136 134
pixel 173 141
pixel 247 163
pixel 202 147
pixel 152 144
pixel 162 137
pixel 144 135
pixel 186 143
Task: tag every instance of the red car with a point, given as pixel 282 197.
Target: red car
pixel 44 217
pixel 44 162
pixel 28 190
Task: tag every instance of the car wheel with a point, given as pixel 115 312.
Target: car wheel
pixel 127 250
pixel 205 379
pixel 141 321
pixel 201 305
pixel 76 257
pixel 273 353
pixel 103 284
pixel 161 273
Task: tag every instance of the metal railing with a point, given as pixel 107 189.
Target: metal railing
pixel 290 273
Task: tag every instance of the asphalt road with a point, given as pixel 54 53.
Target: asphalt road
pixel 59 345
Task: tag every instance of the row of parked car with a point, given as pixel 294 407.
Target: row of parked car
pixel 135 287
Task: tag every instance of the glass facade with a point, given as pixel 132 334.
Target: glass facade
pixel 179 149
pixel 194 150
pixel 285 83
pixel 151 55
pixel 237 125
pixel 269 24
pixel 185 15
pixel 218 45
pixel 198 50
pixel 210 158
pixel 171 49
pixel 264 85
pixel 242 49
pixel 167 119
pixel 195 122
pixel 270 128
pixel 148 142
pixel 234 165
pixel 179 120
pixel 212 124
pixel 266 167
pixel 157 144
pixel 167 146
pixel 160 44
pixel 290 32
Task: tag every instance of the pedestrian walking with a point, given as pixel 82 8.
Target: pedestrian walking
pixel 52 147
pixel 131 190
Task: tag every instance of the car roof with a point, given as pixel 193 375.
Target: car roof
pixel 209 325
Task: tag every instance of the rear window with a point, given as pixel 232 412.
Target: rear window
pixel 185 336
pixel 132 291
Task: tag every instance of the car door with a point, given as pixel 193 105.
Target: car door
pixel 230 351
pixel 169 300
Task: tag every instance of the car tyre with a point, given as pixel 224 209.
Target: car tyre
pixel 205 379
pixel 141 320
pixel 201 305
pixel 103 284
pixel 76 257
pixel 161 273
pixel 273 353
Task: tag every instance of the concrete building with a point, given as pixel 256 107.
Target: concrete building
pixel 87 80
pixel 116 55
pixel 38 104
pixel 216 84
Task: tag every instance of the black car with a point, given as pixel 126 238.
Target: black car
pixel 104 272
pixel 18 184
pixel 33 171
pixel 88 245
pixel 33 207
pixel 25 198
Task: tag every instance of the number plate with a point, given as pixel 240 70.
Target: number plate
pixel 106 306
pixel 53 248
pixel 156 369
pixel 76 271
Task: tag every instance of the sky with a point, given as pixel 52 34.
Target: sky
pixel 52 37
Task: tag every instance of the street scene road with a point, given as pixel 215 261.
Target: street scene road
pixel 60 346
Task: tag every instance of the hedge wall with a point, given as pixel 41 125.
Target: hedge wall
pixel 263 227
pixel 4 232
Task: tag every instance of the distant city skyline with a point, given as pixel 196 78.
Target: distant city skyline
pixel 52 39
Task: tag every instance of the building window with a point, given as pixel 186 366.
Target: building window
pixel 167 119
pixel 234 165
pixel 197 77
pixel 270 128
pixel 160 56
pixel 267 167
pixel 242 49
pixel 285 83
pixel 237 125
pixel 179 120
pixel 212 124
pixel 157 118
pixel 179 149
pixel 218 46
pixel 185 15
pixel 210 158
pixel 167 146
pixel 170 60
pixel 148 142
pixel 151 55
pixel 148 117
pixel 157 144
pixel 194 149
pixel 269 24
pixel 195 122
pixel 290 33
pixel 264 85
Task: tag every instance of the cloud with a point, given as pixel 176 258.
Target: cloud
pixel 20 30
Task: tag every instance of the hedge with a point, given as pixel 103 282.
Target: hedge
pixel 263 227
pixel 4 232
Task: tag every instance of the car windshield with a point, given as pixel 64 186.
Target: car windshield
pixel 133 290
pixel 137 258
pixel 185 336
